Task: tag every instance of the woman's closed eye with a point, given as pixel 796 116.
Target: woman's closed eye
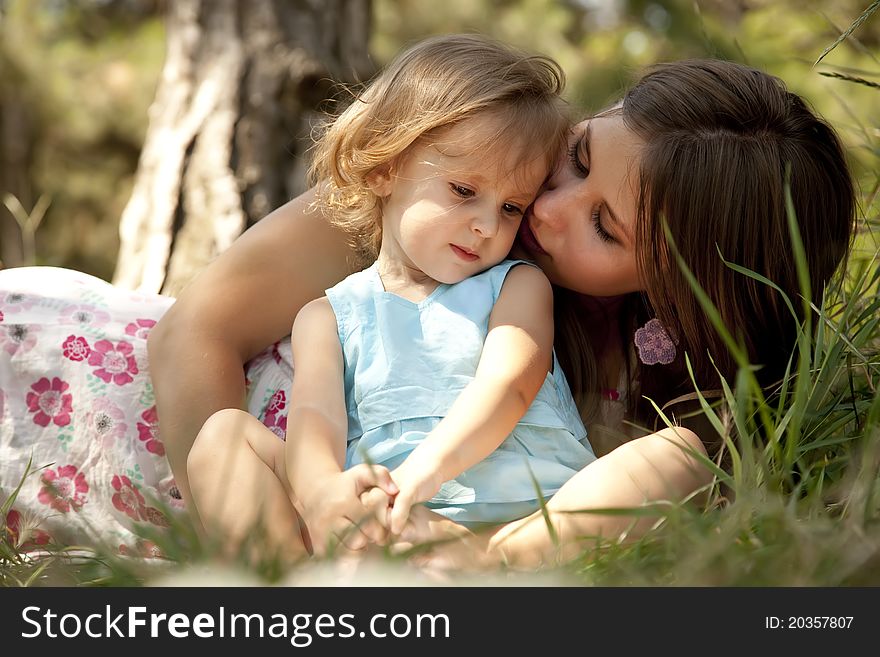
pixel 574 155
pixel 603 234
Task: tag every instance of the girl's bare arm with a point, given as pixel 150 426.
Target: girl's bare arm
pixel 325 496
pixel 241 303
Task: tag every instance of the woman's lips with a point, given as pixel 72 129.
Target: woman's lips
pixel 463 253
pixel 527 238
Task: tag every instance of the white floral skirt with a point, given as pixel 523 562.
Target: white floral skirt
pixel 76 402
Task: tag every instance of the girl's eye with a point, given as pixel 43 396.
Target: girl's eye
pixel 576 162
pixel 463 192
pixel 510 208
pixel 603 234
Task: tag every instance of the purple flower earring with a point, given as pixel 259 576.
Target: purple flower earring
pixel 654 344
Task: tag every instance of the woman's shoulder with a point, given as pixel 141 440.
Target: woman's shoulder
pixel 292 255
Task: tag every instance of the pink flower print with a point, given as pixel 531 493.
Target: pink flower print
pixel 18 337
pixel 156 517
pixel 64 489
pixel 127 497
pixel 655 345
pixel 23 531
pixel 84 314
pixel 276 353
pixel 114 363
pixel 277 403
pixel 171 493
pixel 48 402
pixel 142 548
pixel 277 425
pixel 1 315
pixel 274 419
pixel 15 301
pixel 76 348
pixel 148 432
pixel 106 420
pixel 140 328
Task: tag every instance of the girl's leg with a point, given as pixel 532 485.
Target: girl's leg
pixel 240 489
pixel 654 468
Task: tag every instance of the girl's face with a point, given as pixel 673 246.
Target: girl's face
pixel 450 211
pixel 581 227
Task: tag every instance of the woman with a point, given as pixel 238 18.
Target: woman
pixel 701 147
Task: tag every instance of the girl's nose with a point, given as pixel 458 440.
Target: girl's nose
pixel 486 224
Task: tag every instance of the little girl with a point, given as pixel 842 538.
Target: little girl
pixel 436 361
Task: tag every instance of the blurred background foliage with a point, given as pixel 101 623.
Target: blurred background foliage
pixel 77 79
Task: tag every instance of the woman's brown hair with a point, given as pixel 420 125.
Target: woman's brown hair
pixel 722 141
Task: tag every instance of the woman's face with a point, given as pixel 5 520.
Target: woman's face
pixel 580 228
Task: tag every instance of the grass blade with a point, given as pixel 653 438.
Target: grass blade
pixel 852 28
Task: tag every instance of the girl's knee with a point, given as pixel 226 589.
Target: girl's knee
pixel 219 432
pixel 226 420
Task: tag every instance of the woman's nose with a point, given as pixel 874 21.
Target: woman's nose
pixel 547 209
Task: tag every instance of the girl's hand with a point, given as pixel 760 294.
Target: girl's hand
pixel 417 482
pixel 333 510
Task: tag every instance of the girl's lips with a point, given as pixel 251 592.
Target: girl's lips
pixel 528 240
pixel 464 254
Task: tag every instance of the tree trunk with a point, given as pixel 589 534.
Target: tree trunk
pixel 230 124
pixel 16 156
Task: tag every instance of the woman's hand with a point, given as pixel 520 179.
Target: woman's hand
pixel 334 512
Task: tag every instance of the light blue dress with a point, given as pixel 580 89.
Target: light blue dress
pixel 406 363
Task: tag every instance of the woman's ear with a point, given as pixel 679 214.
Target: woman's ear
pixel 379 180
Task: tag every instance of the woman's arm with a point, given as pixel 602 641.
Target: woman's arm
pixel 514 362
pixel 241 303
pixel 656 468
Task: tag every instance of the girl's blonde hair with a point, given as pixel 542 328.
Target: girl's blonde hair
pixel 435 84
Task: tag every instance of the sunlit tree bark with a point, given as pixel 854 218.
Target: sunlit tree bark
pixel 229 125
